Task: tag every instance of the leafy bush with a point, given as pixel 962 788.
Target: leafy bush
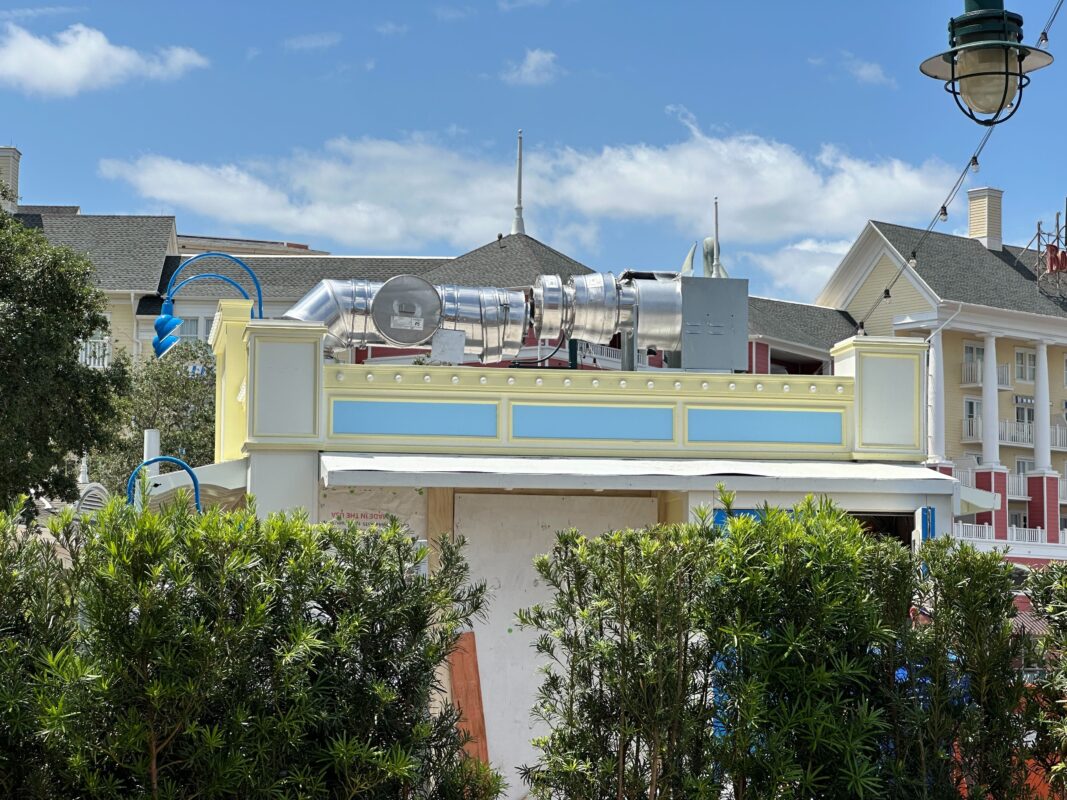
pixel 776 657
pixel 225 656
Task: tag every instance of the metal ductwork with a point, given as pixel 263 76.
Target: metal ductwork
pixel 406 311
pixel 710 323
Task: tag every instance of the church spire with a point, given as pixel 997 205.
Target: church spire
pixel 517 226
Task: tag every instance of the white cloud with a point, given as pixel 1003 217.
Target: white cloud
pixel 422 191
pixel 510 5
pixel 312 41
pixel 800 269
pixel 391 29
pixel 538 68
pixel 453 13
pixel 867 72
pixel 81 59
pixel 38 11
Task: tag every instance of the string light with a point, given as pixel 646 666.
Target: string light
pixel 943 214
pixel 975 166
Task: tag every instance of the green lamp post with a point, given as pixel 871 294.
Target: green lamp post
pixel 987 66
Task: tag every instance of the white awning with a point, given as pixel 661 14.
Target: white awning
pixel 975 501
pixel 816 477
pixel 220 484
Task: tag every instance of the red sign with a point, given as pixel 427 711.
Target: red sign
pixel 1057 259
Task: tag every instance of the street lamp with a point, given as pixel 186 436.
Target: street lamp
pixel 131 483
pixel 987 67
pixel 167 324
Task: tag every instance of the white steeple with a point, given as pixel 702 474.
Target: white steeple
pixel 517 226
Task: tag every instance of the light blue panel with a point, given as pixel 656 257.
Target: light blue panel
pixel 385 418
pixel 764 426
pixel 610 423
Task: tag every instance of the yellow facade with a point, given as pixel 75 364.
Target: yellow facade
pixel 123 322
pixel 906 298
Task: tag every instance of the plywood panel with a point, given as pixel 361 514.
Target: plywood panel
pixel 505 533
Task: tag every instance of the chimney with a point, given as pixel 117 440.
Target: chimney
pixel 9 177
pixel 985 217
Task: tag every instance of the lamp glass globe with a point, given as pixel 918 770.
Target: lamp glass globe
pixel 983 93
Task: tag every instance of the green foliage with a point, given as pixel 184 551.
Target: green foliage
pixel 762 659
pixel 176 396
pixel 1047 590
pixel 225 656
pixel 54 408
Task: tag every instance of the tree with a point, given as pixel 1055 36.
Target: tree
pixel 53 407
pixel 176 396
pixel 221 655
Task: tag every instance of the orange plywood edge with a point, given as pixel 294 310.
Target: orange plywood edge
pixel 467 695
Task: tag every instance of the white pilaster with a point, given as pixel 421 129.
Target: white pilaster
pixel 1042 412
pixel 990 407
pixel 936 407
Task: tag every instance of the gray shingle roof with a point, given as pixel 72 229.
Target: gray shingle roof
pixel 512 261
pixel 291 277
pixel 799 323
pixel 127 251
pixel 965 271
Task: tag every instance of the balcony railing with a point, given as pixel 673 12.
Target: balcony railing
pixel 972 374
pixel 1027 535
pixel 1019 433
pixel 972 429
pixel 96 353
pixel 967 530
pixel 1063 490
pixel 964 476
pixel 1017 486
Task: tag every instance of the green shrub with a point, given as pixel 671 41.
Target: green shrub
pixel 776 657
pixel 225 656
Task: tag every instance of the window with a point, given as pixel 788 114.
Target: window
pixel 1065 370
pixel 1017 519
pixel 1024 466
pixel 972 408
pixel 1024 414
pixel 1025 365
pixel 975 353
pixel 190 330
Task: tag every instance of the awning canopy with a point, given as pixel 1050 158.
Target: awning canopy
pixel 223 484
pixel 818 477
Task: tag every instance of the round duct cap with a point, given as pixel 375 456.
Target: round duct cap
pixel 407 310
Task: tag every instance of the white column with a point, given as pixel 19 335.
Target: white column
pixel 990 409
pixel 1042 412
pixel 935 422
pixel 151 449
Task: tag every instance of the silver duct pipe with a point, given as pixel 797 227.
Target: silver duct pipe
pixel 406 311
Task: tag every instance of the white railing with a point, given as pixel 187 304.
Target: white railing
pixel 967 530
pixel 1017 485
pixel 972 374
pixel 1058 437
pixel 1027 535
pixel 1003 376
pixel 96 353
pixel 611 354
pixel 1012 432
pixel 972 429
pixel 964 476
pixel 1063 489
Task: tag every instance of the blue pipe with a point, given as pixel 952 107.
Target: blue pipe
pixel 169 460
pixel 228 257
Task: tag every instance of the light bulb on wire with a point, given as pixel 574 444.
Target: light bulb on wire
pixel 975 166
pixel 943 215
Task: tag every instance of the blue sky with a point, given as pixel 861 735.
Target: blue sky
pixel 388 127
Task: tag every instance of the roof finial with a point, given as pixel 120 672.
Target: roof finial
pixel 517 226
pixel 717 269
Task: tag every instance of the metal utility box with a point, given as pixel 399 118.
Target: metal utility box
pixel 714 324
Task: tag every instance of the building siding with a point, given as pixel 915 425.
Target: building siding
pixel 906 298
